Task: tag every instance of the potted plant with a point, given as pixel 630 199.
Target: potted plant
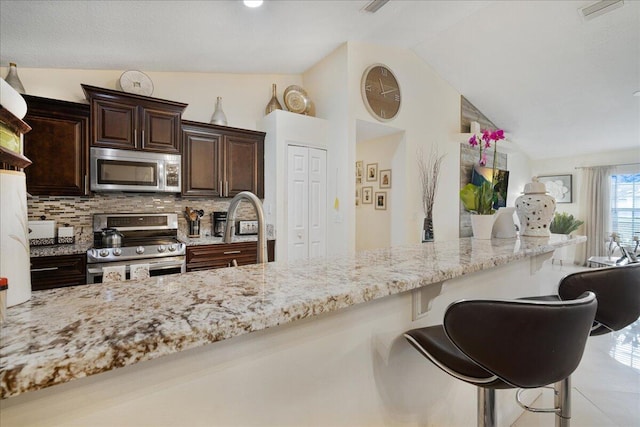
pixel 564 223
pixel 479 199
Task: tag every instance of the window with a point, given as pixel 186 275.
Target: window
pixel 625 206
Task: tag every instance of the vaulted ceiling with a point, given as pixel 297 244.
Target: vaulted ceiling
pixel 561 85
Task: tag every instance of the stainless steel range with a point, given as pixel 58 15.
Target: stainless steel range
pixel 130 239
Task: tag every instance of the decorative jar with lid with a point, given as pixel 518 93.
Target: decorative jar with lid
pixel 535 209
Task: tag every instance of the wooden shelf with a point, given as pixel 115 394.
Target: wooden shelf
pixel 8 157
pixel 16 125
pixel 13 159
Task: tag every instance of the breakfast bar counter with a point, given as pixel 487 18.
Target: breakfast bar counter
pixel 52 342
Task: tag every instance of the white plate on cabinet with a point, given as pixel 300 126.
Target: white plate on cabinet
pixel 136 82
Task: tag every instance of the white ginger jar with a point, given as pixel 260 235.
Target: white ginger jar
pixel 535 209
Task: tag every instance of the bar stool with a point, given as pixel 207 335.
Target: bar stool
pixel 617 290
pixel 498 344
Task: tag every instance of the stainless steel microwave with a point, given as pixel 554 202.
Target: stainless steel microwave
pixel 127 170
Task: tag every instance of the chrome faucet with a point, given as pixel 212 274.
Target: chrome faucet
pixel 229 229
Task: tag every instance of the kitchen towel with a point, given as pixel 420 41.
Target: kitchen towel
pixel 139 271
pixel 117 273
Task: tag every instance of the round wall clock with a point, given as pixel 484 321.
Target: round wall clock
pixel 381 92
pixel 137 82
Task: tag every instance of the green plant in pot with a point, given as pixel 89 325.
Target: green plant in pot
pixel 564 223
pixel 478 199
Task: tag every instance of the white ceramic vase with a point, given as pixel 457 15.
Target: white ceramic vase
pixel 482 226
pixel 535 209
pixel 504 227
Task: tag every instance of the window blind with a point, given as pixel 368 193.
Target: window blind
pixel 625 206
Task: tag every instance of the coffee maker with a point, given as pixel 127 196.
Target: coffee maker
pixel 219 222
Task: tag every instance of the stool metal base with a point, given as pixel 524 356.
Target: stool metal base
pixel 486 407
pixel 561 402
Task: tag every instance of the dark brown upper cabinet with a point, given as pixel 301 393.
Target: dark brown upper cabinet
pixel 134 122
pixel 57 147
pixel 220 161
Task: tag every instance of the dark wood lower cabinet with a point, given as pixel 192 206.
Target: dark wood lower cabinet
pixel 58 271
pixel 206 257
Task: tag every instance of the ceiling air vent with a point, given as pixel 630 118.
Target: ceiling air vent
pixel 374 5
pixel 599 8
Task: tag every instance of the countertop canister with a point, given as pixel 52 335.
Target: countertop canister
pixel 535 209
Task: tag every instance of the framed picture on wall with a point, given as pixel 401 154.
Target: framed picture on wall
pixel 359 171
pixel 372 172
pixel 385 178
pixel 381 200
pixel 367 195
pixel 559 187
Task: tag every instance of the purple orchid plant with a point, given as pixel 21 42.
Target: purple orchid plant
pixel 479 199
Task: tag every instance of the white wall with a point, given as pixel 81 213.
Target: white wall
pixel 568 165
pixel 326 83
pixel 375 228
pixel 283 129
pixel 244 96
pixel 520 174
pixel 430 114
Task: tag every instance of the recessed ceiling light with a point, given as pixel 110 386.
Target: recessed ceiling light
pixel 253 3
pixel 636 93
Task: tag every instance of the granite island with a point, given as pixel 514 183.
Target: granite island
pixel 335 357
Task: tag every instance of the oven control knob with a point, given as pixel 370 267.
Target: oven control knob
pixel 104 252
pixel 161 248
pixel 117 251
pixel 140 250
pixel 172 248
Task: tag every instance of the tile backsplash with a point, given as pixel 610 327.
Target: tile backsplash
pixel 78 211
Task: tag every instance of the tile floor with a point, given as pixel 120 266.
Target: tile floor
pixel 606 385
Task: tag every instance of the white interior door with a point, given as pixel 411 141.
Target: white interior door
pixel 306 201
pixel 317 203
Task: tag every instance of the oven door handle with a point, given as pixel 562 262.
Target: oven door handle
pixel 152 266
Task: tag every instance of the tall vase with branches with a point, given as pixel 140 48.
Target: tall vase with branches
pixel 429 168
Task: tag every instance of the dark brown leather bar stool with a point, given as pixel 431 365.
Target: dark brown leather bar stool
pixel 617 290
pixel 497 344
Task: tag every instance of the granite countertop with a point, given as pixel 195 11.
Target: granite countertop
pixel 67 333
pixel 83 247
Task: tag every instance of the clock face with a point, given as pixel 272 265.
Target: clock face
pixel 381 92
